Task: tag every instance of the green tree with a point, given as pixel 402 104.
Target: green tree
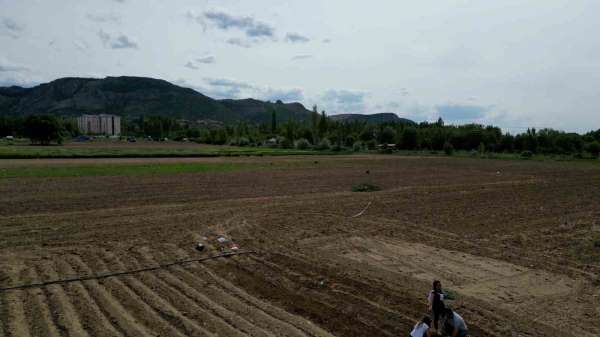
pixel 387 136
pixel 273 121
pixel 448 148
pixel 507 143
pixel 11 126
pixel 323 125
pixel 314 120
pixel 70 127
pixel 367 133
pixel 593 148
pixel 409 138
pixel 43 129
pixel 289 129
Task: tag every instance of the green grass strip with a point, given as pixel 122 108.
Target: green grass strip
pixel 25 152
pixel 120 170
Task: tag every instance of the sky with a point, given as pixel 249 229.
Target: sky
pixel 514 64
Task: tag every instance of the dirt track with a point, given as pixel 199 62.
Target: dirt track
pixel 514 239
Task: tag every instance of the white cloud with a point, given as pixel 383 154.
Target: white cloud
pixel 121 41
pixel 104 17
pixel 344 101
pixel 206 59
pixel 221 88
pixel 10 27
pixel 191 65
pixel 7 66
pixel 296 38
pixel 301 57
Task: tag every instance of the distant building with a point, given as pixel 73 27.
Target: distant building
pixel 99 124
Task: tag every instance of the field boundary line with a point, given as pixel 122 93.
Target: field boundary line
pixel 122 273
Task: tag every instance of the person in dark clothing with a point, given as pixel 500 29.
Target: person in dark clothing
pixel 436 302
pixel 454 324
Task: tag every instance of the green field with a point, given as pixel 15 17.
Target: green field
pixel 120 169
pixel 101 151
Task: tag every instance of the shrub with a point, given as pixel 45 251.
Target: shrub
pixel 526 154
pixel 286 143
pixel 357 146
pixel 302 144
pixel 371 144
pixel 448 148
pixel 481 148
pixel 241 141
pixel 324 144
pixel 593 148
pixel 450 294
pixel 365 187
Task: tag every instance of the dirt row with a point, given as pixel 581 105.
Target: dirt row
pixel 181 301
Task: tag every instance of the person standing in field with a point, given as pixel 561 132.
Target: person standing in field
pixel 436 303
pixel 422 328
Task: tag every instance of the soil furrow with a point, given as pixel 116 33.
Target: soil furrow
pixel 136 305
pixel 14 318
pixel 152 296
pixel 266 313
pixel 209 292
pixel 313 281
pixel 91 315
pixel 3 306
pixel 234 316
pixel 61 307
pixel 2 316
pixel 269 317
pixel 112 308
pixel 206 312
pixel 38 312
pixel 301 325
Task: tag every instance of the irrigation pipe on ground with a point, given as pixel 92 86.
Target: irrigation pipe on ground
pixel 121 273
pixel 361 212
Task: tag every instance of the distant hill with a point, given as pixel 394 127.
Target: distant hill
pixel 134 96
pixel 377 118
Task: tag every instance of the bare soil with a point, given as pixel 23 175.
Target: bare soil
pixel 515 240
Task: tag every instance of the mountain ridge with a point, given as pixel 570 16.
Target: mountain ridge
pixel 131 97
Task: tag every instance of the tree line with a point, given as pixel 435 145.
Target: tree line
pixel 323 133
pixel 40 129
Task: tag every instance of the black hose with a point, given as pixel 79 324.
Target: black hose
pixel 121 273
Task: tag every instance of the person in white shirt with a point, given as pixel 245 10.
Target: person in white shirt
pixel 422 328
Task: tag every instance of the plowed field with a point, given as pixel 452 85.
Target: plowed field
pixel 517 241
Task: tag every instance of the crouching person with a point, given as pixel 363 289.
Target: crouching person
pixel 422 328
pixel 454 324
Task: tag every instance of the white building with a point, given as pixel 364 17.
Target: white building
pixel 99 124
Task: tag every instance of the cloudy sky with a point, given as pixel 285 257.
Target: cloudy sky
pixel 513 63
